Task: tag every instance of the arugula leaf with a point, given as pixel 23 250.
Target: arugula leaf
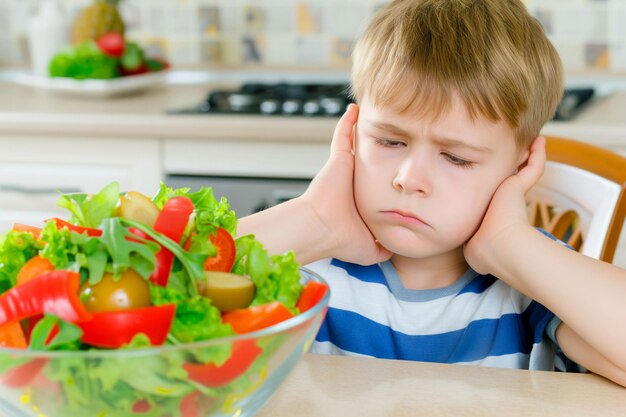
pixel 193 263
pixel 90 210
pixel 126 249
pixel 68 337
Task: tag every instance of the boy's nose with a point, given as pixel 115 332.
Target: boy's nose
pixel 414 175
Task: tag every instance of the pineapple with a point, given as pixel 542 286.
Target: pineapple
pixel 97 19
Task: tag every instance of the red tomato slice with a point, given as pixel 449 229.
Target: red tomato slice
pixel 225 257
pixel 224 260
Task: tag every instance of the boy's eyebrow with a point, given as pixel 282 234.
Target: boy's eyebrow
pixel 445 141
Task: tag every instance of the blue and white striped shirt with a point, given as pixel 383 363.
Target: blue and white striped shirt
pixel 477 320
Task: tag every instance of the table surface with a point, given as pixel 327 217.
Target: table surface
pixel 325 385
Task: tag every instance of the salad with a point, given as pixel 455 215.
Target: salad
pixel 125 272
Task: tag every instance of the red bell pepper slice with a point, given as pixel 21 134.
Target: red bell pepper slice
pixel 12 335
pixel 250 319
pixel 243 354
pixel 74 228
pixel 34 267
pixel 312 293
pixel 172 222
pixel 22 375
pixel 53 292
pixel 112 329
pixel 35 231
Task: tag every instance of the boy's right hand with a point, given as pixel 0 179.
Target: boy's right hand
pixel 331 198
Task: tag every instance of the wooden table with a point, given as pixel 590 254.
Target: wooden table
pixel 338 386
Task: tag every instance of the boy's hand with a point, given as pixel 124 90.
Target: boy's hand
pixel 331 196
pixel 506 213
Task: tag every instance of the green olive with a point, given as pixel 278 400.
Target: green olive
pixel 228 291
pixel 138 207
pixel 130 291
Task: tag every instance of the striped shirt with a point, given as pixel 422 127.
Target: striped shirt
pixel 477 320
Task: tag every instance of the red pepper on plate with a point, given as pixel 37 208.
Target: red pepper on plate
pixel 112 329
pixel 54 292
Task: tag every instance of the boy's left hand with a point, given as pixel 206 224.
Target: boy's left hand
pixel 506 213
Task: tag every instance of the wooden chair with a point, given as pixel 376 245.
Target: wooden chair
pixel 581 197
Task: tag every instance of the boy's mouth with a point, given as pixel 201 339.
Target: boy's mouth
pixel 404 217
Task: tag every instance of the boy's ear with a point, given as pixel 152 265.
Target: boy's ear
pixel 523 156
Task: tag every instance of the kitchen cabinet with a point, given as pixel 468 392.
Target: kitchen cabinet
pixel 34 169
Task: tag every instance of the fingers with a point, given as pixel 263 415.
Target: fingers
pixel 342 138
pixel 530 174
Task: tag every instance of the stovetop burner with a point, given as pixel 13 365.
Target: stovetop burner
pixel 322 100
pixel 282 99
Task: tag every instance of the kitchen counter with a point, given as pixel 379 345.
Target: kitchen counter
pixel 27 110
pixel 325 385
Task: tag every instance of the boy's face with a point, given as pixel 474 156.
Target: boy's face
pixel 423 186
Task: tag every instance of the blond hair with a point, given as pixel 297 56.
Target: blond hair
pixel 415 54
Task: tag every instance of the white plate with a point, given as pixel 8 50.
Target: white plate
pixel 92 87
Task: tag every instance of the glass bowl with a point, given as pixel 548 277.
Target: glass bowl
pixel 166 381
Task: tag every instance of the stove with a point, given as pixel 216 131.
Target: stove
pixel 323 100
pixel 283 99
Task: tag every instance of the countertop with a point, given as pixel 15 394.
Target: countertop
pixel 326 385
pixel 28 110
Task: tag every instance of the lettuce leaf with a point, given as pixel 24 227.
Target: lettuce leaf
pixel 276 277
pixel 16 248
pixel 90 210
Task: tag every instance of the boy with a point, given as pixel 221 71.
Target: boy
pixel 425 191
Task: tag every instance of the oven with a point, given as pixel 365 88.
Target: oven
pixel 246 195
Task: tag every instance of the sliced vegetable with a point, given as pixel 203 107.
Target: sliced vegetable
pixel 12 336
pixel 225 246
pixel 256 318
pixel 112 329
pixel 53 292
pixel 22 375
pixel 243 354
pixel 78 229
pixel 19 227
pixel 172 222
pixel 312 293
pixel 136 206
pixel 33 268
pixel 128 291
pixel 227 291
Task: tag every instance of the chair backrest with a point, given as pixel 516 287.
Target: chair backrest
pixel 581 197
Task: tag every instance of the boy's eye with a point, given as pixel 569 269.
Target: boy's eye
pixel 457 161
pixel 390 143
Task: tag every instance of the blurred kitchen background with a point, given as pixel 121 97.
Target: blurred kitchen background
pixel 589 34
